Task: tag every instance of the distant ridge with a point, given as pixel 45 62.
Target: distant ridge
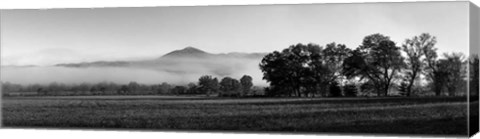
pixel 187 52
pixel 96 64
pixel 19 66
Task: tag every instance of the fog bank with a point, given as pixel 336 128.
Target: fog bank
pixel 174 73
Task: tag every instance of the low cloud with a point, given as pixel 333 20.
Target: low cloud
pixel 178 71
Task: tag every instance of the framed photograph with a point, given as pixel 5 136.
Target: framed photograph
pixel 396 69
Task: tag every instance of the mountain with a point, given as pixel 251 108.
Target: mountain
pixel 188 55
pixel 181 66
pixel 18 66
pixel 187 52
pixel 96 64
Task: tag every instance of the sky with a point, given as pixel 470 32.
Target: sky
pixel 52 36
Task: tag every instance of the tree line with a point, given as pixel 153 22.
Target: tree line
pixel 376 66
pixel 206 85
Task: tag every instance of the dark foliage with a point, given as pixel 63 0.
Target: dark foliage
pixel 247 84
pixel 474 76
pixel 208 85
pixel 303 70
pixel 230 87
pixel 179 90
pixel 377 60
pixel 414 48
pixel 403 88
pixel 335 90
pixel 350 90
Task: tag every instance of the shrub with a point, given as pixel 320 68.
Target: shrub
pixel 335 90
pixel 350 90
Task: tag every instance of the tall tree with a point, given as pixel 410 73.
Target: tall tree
pixel 164 88
pixel 284 69
pixel 333 57
pixel 378 59
pixel 192 88
pixel 247 84
pixel 133 87
pixel 273 67
pixel 453 64
pixel 208 84
pixel 177 90
pixel 298 57
pixel 315 74
pixel 474 76
pixel 299 69
pixel 414 48
pixel 433 72
pixel 230 86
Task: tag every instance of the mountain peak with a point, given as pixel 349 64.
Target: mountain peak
pixel 187 51
pixel 192 49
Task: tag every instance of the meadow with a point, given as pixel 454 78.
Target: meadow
pixel 387 115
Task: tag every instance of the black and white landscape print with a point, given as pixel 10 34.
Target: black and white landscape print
pixel 373 68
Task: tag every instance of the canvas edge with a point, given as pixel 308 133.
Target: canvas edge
pixel 1 82
pixel 253 4
pixel 474 41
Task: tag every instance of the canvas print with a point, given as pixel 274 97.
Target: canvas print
pixel 364 68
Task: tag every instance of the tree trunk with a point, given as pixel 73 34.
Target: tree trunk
pixel 451 91
pixel 438 85
pixel 410 84
pixel 386 89
pixel 378 88
pixel 438 90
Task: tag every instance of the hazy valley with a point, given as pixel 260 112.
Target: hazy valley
pixel 177 67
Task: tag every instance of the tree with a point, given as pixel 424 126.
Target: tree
pixel 8 87
pixel 403 88
pixel 350 90
pixel 54 88
pixel 332 58
pixel 124 90
pixel 164 88
pixel 298 69
pixel 93 90
pixel 102 87
pixel 334 55
pixel 474 77
pixel 230 87
pixel 304 69
pixel 455 72
pixel 335 90
pixel 208 84
pixel 414 48
pixel 277 72
pixel 315 76
pixel 179 90
pixel 247 84
pixel 368 87
pixel 378 59
pixel 297 58
pixel 192 88
pixel 133 87
pixel 83 88
pixel 433 72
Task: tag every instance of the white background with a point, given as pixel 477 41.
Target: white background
pixel 76 134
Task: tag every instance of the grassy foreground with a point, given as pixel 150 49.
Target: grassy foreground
pixel 438 115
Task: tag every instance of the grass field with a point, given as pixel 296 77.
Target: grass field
pixel 438 115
